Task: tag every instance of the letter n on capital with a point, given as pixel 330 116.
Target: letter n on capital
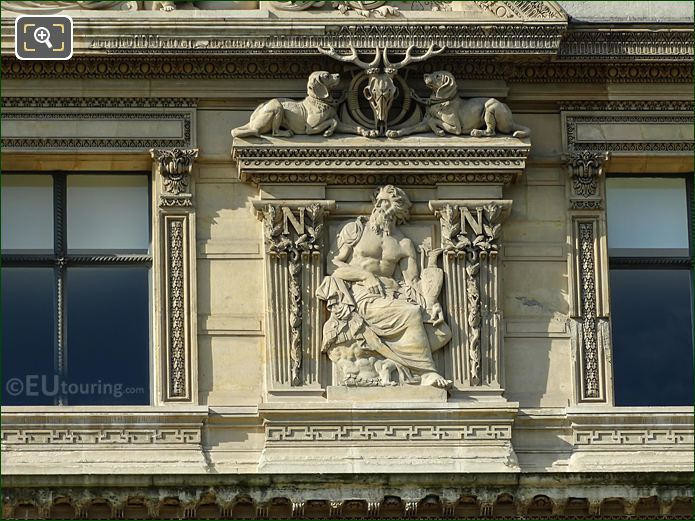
pixel 289 218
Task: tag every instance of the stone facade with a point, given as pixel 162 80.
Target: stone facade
pixel 284 305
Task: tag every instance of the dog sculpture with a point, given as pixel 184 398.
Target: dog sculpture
pixel 447 112
pixel 315 114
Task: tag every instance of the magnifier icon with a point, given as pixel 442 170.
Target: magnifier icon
pixel 42 35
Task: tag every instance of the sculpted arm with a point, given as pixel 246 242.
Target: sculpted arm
pixel 409 262
pixel 350 273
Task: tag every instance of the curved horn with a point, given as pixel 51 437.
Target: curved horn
pixel 409 58
pixel 352 57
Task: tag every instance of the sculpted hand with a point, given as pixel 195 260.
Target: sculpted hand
pixel 374 286
pixel 437 314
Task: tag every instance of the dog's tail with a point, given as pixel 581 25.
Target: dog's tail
pixel 521 131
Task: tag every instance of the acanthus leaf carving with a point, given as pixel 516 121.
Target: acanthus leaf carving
pixel 175 166
pixel 470 235
pixel 585 169
pixel 295 233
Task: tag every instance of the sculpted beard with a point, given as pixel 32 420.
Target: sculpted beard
pixel 382 220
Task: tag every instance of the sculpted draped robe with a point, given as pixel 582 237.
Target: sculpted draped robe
pixel 392 325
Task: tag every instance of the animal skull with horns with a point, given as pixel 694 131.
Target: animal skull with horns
pixel 381 91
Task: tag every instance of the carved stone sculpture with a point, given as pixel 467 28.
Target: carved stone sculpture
pixel 38 5
pixel 366 9
pixel 315 114
pixel 382 331
pixel 381 91
pixel 448 113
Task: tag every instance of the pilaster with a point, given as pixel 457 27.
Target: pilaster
pixel 589 311
pixel 470 239
pixel 294 246
pixel 175 286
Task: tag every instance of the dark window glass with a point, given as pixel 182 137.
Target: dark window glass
pixel 28 329
pixel 108 335
pixel 651 297
pixel 652 336
pixel 87 344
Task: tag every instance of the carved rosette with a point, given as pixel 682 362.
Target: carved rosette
pixel 470 239
pixel 293 235
pixel 176 258
pixel 585 169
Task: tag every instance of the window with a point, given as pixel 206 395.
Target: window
pixel 651 289
pixel 75 289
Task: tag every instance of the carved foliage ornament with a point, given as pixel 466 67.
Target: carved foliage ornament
pixel 297 235
pixel 587 280
pixel 471 236
pixel 367 107
pixel 175 166
pixel 585 168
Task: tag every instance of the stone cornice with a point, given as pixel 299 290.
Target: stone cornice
pixel 357 160
pixel 265 31
pixel 184 66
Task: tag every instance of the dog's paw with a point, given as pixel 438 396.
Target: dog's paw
pixel 439 132
pixel 393 133
pixel 328 133
pixel 477 133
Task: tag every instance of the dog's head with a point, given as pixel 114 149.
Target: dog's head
pixel 442 83
pixel 320 84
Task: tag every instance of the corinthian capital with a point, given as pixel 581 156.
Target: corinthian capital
pixel 585 168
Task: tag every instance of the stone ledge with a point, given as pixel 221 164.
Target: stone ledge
pixel 102 425
pixel 357 160
pixel 401 393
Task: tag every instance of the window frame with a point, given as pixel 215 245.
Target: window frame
pixel 651 262
pixel 60 260
pixel 675 262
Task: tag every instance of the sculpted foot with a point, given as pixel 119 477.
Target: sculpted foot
pixel 283 133
pixel 435 380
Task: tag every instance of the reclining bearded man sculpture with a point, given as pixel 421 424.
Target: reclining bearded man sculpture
pixel 379 325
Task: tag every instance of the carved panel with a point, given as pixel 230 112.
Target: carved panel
pixel 386 433
pixel 64 129
pixel 471 241
pixel 101 436
pixel 293 234
pixel 620 132
pixel 590 330
pixel 585 169
pixel 631 437
pixel 175 254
